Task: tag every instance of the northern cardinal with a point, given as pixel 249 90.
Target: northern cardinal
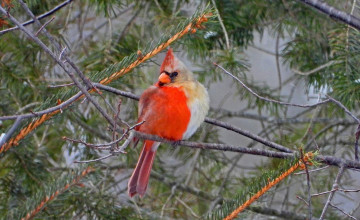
pixel 173 108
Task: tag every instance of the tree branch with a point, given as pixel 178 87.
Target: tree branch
pixel 335 185
pixel 52 11
pixel 334 13
pixel 268 99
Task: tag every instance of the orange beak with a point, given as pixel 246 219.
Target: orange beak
pixel 164 78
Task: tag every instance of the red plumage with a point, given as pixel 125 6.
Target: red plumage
pixel 166 110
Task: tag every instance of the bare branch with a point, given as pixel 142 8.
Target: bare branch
pixel 268 99
pixel 222 25
pixel 336 189
pixel 46 111
pixel 117 91
pixel 328 64
pixel 215 146
pixel 47 50
pixel 11 131
pixel 335 185
pixel 52 11
pixel 95 160
pixel 59 86
pixel 334 13
pixel 42 27
pixel 302 199
pixel 348 215
pixel 344 108
pixel 248 134
pixel 314 170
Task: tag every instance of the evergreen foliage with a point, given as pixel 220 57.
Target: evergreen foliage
pixel 319 55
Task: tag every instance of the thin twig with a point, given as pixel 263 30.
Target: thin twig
pixel 189 208
pixel 127 26
pixel 44 25
pixel 94 160
pixel 62 52
pixel 317 69
pixel 343 107
pixel 62 85
pixel 302 199
pixel 356 145
pixel 52 11
pixel 323 193
pixel 95 146
pixel 104 146
pixel 357 133
pixel 314 170
pixel 268 99
pixel 336 189
pixel 116 116
pixel 27 106
pixel 308 184
pixel 348 215
pixel 277 59
pixel 335 185
pixel 248 134
pixel 222 25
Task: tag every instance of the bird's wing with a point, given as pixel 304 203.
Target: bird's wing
pixel 165 112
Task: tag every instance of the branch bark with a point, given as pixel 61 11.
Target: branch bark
pixel 333 13
pixel 46 14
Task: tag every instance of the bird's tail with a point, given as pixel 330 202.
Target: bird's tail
pixel 140 177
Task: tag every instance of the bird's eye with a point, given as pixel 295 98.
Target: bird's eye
pixel 174 74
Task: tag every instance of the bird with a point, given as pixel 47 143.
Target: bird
pixel 173 108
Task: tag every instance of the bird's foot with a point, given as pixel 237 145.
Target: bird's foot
pixel 176 143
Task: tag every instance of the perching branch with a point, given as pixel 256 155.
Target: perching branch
pixel 191 27
pixel 208 120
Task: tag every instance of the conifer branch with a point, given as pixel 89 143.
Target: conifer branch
pixel 307 157
pixel 191 27
pixel 334 13
pixel 52 196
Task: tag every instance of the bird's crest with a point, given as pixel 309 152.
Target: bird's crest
pixel 170 61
